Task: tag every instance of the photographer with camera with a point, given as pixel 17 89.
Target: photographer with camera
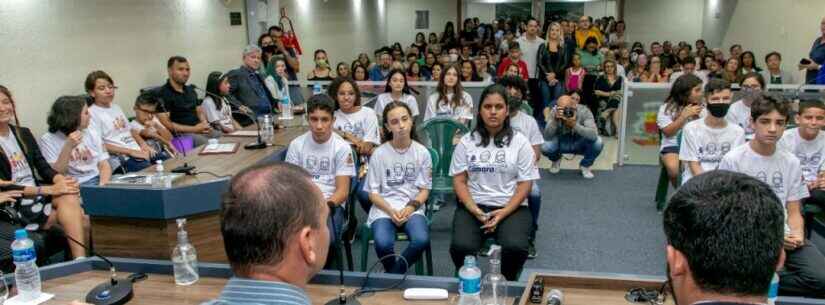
pixel 571 129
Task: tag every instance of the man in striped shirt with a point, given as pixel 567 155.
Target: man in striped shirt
pixel 275 241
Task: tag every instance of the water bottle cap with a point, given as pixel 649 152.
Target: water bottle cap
pixel 21 234
pixel 159 162
pixel 470 260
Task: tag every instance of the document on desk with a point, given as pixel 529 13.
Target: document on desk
pixel 219 148
pixel 243 133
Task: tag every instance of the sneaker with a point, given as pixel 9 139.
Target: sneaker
pixel 531 250
pixel 587 173
pixel 555 168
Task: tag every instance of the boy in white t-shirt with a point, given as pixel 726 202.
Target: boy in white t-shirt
pixel 804 272
pixel 706 141
pixel 528 126
pixel 327 157
pixel 807 143
pixel 70 147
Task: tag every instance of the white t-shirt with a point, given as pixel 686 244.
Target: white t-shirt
pixel 663 118
pixel 213 115
pixel 740 114
pixel 494 172
pixel 707 145
pixel 527 126
pixel 810 153
pixel 398 176
pixel 324 161
pixel 780 171
pixel 134 124
pixel 362 124
pixel 385 98
pixel 21 172
pixel 530 53
pixel 112 125
pixel 436 108
pixel 84 157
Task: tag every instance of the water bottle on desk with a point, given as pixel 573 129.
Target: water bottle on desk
pixel 286 108
pixel 317 89
pixel 268 130
pixel 184 258
pixel 26 273
pixel 469 282
pixel 494 285
pixel 159 177
pixel 773 290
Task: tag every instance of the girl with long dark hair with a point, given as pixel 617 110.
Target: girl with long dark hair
pixel 683 104
pixel 216 106
pixel 493 168
pixel 396 90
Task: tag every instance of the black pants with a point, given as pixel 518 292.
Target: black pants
pixel 512 234
pixel 804 273
pixel 536 101
pixel 816 198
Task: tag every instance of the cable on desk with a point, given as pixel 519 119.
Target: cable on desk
pixel 211 174
pixel 364 290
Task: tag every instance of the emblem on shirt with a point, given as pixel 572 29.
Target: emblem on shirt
pixel 81 154
pixel 312 163
pixel 119 123
pixel 485 156
pixel 409 171
pixel 325 164
pixel 500 156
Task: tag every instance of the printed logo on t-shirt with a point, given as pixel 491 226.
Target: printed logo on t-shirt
pixel 19 166
pixel 357 129
pixel 400 174
pixel 485 162
pixel 119 123
pixel 809 164
pixel 81 154
pixel 713 152
pixel 775 181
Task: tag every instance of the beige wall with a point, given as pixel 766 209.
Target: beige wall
pixel 659 20
pixel 49 46
pixel 401 18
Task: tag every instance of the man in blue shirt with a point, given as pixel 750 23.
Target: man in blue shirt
pixel 275 241
pixel 380 71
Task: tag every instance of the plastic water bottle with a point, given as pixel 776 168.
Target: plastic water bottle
pixel 159 177
pixel 494 285
pixel 267 130
pixel 184 258
pixel 286 108
pixel 26 273
pixel 469 282
pixel 773 291
pixel 316 89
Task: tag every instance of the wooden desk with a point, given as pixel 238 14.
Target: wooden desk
pixel 140 222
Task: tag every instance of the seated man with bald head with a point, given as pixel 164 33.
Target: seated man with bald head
pixel 571 129
pixel 275 241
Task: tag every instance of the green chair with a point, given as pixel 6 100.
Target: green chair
pixel 365 233
pixel 441 132
pixel 350 222
pixel 664 183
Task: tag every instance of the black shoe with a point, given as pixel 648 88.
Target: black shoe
pixel 531 250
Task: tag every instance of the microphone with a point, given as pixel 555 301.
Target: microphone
pixel 115 291
pixel 257 145
pixel 342 298
pixel 555 297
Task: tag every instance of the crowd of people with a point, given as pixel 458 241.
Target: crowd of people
pixel 571 76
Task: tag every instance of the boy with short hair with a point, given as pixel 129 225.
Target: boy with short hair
pixel 706 141
pixel 807 143
pixel 514 58
pixel 804 272
pixel 148 125
pixel 327 157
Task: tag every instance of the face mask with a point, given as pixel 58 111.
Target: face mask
pixel 322 63
pixel 634 57
pixel 718 110
pixel 453 57
pixel 750 95
pixel 269 49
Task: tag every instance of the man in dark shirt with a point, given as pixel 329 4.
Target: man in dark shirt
pixel 287 53
pixel 724 234
pixel 181 112
pixel 247 84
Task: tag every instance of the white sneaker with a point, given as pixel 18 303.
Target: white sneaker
pixel 587 173
pixel 555 168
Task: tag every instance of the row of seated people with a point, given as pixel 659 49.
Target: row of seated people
pixel 705 131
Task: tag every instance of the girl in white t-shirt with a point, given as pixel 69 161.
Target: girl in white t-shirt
pixel 71 148
pixel 451 100
pixel 493 168
pixel 683 104
pixel 34 204
pixel 216 106
pixel 398 183
pixel 396 90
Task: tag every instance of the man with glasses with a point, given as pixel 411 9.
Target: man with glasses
pixel 586 30
pixel 146 123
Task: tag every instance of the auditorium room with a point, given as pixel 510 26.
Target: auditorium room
pixel 467 152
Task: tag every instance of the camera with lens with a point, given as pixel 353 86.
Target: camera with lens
pixel 568 112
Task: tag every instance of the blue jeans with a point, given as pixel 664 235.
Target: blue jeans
pixel 534 203
pixel 361 195
pixel 383 233
pixel 335 232
pixel 133 164
pixel 93 181
pixel 573 144
pixel 549 95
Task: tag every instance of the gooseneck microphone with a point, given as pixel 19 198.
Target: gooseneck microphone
pixel 257 145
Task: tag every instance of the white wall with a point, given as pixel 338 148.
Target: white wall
pixel 716 18
pixel 659 20
pixel 486 12
pixel 401 18
pixel 599 9
pixel 790 30
pixel 342 28
pixel 50 46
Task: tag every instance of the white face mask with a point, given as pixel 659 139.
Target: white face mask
pixel 453 57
